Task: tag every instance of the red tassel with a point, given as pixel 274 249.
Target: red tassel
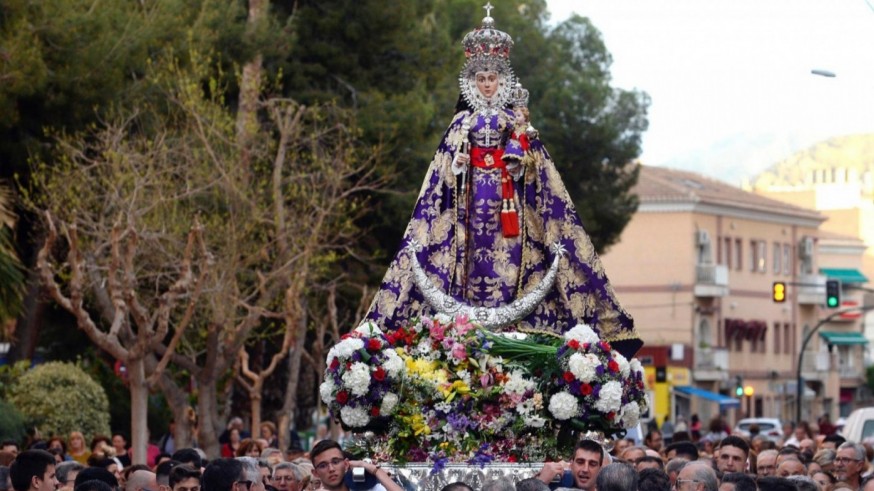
pixel 509 222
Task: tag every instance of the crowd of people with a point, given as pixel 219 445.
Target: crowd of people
pixel 718 461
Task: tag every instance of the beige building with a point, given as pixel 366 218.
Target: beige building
pixel 696 267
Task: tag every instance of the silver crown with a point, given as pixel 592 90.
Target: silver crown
pixel 486 40
pixel 519 96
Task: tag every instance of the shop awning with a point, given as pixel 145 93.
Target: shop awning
pixel 843 338
pixel 846 275
pixel 724 401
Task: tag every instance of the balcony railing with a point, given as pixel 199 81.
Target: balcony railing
pixel 711 280
pixel 711 364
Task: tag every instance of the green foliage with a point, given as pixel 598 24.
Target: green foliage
pixel 11 422
pixel 12 278
pixel 9 374
pixel 57 398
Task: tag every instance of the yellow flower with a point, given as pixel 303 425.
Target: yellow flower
pixel 449 391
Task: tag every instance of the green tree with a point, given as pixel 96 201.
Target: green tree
pixel 57 398
pixel 12 276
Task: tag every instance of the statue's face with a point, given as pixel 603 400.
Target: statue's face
pixel 487 83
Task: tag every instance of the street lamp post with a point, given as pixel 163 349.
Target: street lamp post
pixel 798 388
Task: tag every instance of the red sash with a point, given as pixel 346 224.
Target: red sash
pixel 490 158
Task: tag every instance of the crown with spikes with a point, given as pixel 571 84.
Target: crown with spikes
pixel 486 40
pixel 519 96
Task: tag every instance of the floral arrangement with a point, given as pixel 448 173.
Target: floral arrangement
pixel 461 394
pixel 362 377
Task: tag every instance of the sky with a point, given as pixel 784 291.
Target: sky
pixel 730 80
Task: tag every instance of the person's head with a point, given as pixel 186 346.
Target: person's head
pixel 162 474
pixel 620 446
pixel 807 445
pixel 461 486
pixel 94 485
pixel 697 476
pixel 833 441
pixel 272 456
pixel 33 470
pixel 791 468
pixel 650 462
pixel 766 463
pixel 633 454
pixel 587 461
pixel 653 480
pixel 329 463
pixel 673 467
pixel 249 448
pixel 268 430
pixel 733 452
pixel 824 479
pixel 96 473
pixel 849 462
pixel 188 456
pixel 684 450
pixel 10 446
pixel 184 477
pixel 616 477
pixel 287 477
pixel 804 483
pixel 825 458
pixel 530 484
pixel 66 473
pixel 487 83
pixel 141 480
pixel 76 442
pixel 119 442
pixel 226 475
pixel 737 481
pixel 654 440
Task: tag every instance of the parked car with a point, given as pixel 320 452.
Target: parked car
pixel 771 428
pixel 860 425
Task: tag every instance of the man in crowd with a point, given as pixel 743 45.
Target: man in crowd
pixel 141 480
pixel 287 477
pixel 697 476
pixel 733 453
pixel 231 475
pixel 654 440
pixel 330 465
pixel 33 470
pixel 587 461
pixel 616 477
pixel 184 478
pixel 66 473
pixel 849 464
pixel 766 463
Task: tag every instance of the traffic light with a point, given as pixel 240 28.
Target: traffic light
pixel 739 386
pixel 833 294
pixel 778 292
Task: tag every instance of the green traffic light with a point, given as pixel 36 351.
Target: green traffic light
pixel 832 302
pixel 739 391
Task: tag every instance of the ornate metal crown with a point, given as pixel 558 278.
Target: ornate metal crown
pixel 486 40
pixel 519 96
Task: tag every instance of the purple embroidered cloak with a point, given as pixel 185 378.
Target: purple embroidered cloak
pixel 465 253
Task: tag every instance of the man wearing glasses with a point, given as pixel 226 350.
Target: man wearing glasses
pixel 697 476
pixel 240 474
pixel 330 465
pixel 850 463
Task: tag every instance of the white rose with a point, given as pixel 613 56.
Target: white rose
pixel 368 329
pixel 624 367
pixel 610 397
pixel 354 416
pixel 629 415
pixel 583 366
pixel 357 379
pixel 345 348
pixel 582 333
pixel 393 364
pixel 326 391
pixel 563 406
pixel 517 383
pixel 389 403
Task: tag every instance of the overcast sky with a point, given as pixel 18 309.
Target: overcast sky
pixel 730 81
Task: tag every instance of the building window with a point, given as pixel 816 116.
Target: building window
pixel 777 334
pixel 787 259
pixel 758 251
pixel 738 254
pixel 725 252
pixel 787 338
pixel 778 256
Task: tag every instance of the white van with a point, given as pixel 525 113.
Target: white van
pixel 860 425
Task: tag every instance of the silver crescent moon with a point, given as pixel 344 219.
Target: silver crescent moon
pixel 487 317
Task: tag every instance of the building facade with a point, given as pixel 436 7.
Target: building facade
pixel 696 267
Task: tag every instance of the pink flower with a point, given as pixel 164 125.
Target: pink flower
pixel 462 325
pixel 459 352
pixel 485 380
pixel 438 332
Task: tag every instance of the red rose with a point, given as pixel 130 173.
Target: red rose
pixel 568 377
pixel 613 366
pixel 374 344
pixel 335 363
pixel 605 346
pixel 342 397
pixel 511 458
pixel 611 415
pixel 574 344
pixel 379 374
pixel 585 389
pixel 374 411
